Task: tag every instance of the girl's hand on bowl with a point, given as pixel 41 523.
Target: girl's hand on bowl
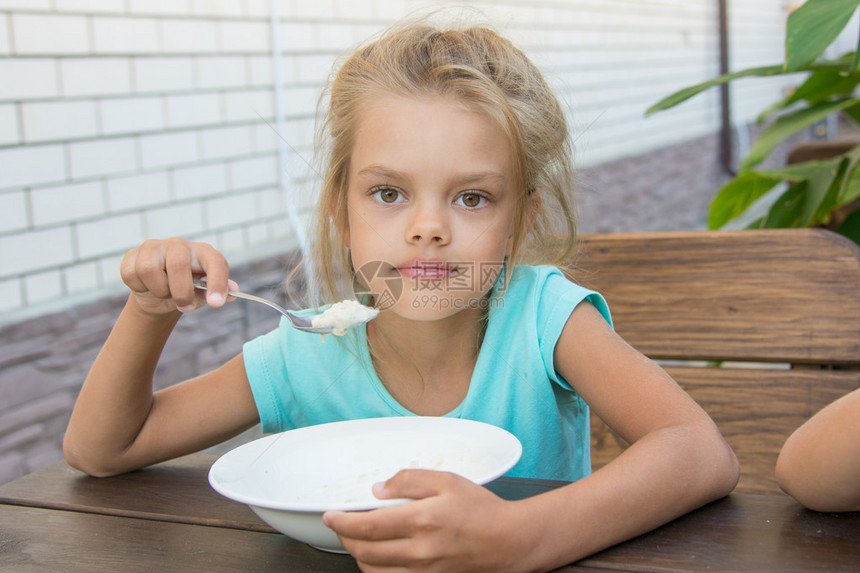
pixel 159 274
pixel 452 525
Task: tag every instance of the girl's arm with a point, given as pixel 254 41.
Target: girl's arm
pixel 118 423
pixel 819 465
pixel 677 461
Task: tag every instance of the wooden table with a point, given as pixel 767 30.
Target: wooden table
pixel 167 516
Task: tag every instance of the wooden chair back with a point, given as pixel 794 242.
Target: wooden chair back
pixel 762 328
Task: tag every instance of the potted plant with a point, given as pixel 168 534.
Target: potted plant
pixel 819 191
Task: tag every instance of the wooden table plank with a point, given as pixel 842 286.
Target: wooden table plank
pixel 177 490
pixel 740 532
pixel 53 540
pixel 744 533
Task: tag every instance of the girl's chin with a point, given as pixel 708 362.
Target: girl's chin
pixel 435 306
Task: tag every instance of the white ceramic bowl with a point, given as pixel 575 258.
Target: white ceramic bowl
pixel 290 479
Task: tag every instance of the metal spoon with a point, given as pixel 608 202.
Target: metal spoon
pixel 301 322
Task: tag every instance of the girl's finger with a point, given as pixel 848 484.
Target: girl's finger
pixel 217 271
pixel 177 263
pixel 391 522
pixel 389 555
pixel 374 525
pixel 128 274
pixel 149 266
pixel 414 484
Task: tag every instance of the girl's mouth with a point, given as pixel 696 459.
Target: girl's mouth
pixel 431 270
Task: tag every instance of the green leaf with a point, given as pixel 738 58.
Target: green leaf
pixel 737 195
pixel 797 171
pixel 851 189
pixel 787 210
pixel 789 125
pixel 757 224
pixel 688 92
pixel 823 85
pixel 813 27
pixel 822 190
pixel 853 112
pixel 818 88
pixel 828 184
pixel 842 64
pixel 850 227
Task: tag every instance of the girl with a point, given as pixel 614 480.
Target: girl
pixel 448 169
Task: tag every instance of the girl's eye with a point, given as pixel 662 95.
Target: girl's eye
pixel 387 195
pixel 471 200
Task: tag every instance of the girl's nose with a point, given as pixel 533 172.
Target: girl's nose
pixel 428 225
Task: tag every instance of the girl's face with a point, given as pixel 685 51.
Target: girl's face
pixel 431 205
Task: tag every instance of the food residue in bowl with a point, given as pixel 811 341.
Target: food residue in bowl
pixel 350 488
pixel 343 315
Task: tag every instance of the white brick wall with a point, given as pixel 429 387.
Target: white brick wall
pixel 199 181
pixel 23 253
pixel 9 126
pixel 231 210
pixel 190 37
pixel 66 203
pixel 244 36
pixel 221 72
pixel 125 35
pixel 138 191
pixel 13 212
pixel 56 120
pixel 32 165
pixel 132 115
pixel 109 235
pixel 193 109
pixel 26 78
pixel 106 156
pixel 44 286
pixel 49 34
pixel 81 278
pixel 169 149
pixel 25 4
pixel 94 6
pixel 254 172
pixel 226 142
pixel 179 219
pixel 163 74
pixel 247 105
pixel 95 76
pixel 11 295
pixel 5 46
pixel 159 7
pixel 124 119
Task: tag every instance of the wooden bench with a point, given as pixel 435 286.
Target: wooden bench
pixel 762 328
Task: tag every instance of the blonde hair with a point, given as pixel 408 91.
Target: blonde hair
pixel 486 72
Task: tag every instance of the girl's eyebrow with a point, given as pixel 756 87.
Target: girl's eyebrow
pixel 381 171
pixel 460 179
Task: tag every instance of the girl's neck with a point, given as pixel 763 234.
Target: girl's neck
pixel 426 366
